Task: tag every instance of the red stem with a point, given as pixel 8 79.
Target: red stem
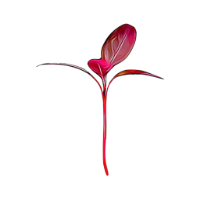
pixel 104 96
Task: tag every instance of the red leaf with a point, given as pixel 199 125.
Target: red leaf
pixel 116 48
pixel 99 66
pixel 130 71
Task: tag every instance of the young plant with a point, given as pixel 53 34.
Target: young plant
pixel 116 48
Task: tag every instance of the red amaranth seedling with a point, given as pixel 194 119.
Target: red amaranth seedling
pixel 116 48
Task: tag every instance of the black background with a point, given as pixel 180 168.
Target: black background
pixel 64 104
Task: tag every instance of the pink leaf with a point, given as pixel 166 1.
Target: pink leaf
pixel 99 66
pixel 116 48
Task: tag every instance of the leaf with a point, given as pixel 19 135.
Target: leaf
pixel 119 44
pixel 99 66
pixel 128 72
pixel 133 71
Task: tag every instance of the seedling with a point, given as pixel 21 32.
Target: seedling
pixel 116 48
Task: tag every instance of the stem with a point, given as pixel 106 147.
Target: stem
pixel 104 135
pixel 104 138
